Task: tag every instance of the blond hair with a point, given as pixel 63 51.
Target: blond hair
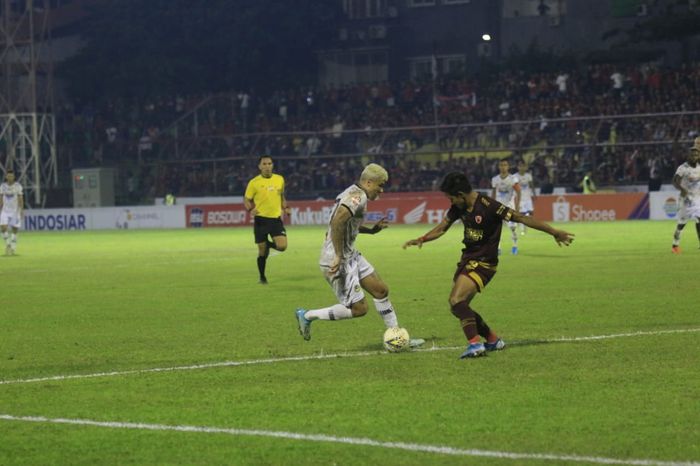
pixel 374 172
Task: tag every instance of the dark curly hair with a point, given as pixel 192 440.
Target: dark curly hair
pixel 455 183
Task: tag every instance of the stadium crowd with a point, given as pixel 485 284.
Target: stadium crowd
pixel 168 143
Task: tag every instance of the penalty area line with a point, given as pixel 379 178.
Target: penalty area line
pixel 355 354
pixel 413 447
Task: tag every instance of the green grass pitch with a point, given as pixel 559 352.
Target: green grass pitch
pixel 85 303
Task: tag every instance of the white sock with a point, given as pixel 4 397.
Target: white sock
pixel 514 235
pixel 6 237
pixel 334 312
pixel 677 235
pixel 13 240
pixel 386 310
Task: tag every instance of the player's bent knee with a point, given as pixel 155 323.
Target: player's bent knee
pixel 380 293
pixel 458 298
pixel 359 309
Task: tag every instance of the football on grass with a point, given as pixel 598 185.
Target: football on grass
pixel 396 339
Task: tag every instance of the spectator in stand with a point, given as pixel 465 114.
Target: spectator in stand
pixel 90 137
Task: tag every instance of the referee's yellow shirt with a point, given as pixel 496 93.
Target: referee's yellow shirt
pixel 266 193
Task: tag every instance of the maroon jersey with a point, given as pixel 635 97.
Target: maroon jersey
pixel 482 228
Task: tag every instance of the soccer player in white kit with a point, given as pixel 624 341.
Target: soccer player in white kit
pixel 506 190
pixel 687 181
pixel 343 267
pixel 527 192
pixel 11 206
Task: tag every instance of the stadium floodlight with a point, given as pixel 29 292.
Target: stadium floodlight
pixel 27 122
pixel 486 37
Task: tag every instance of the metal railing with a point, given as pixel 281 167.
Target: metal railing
pixel 620 149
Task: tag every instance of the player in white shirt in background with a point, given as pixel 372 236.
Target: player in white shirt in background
pixel 687 181
pixel 11 207
pixel 527 192
pixel 506 190
pixel 345 269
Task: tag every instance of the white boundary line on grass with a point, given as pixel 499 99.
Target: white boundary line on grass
pixel 318 356
pixel 416 447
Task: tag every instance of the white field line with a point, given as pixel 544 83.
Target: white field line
pixel 414 447
pixel 356 354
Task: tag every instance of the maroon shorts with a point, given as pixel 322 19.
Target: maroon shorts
pixel 480 273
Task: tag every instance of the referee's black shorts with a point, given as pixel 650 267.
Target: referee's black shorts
pixel 264 226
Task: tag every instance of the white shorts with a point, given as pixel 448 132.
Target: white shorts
pixel 346 283
pixel 11 219
pixel 688 210
pixel 526 207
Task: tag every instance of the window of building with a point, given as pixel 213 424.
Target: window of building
pixel 417 3
pixel 530 8
pixel 421 68
pixel 454 64
pixel 358 9
pixel 376 8
pixel 622 8
pixel 454 2
pixel 361 59
pixel 354 66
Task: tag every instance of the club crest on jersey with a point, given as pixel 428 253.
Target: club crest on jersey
pixel 478 219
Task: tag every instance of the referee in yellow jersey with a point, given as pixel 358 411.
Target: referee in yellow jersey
pixel 264 199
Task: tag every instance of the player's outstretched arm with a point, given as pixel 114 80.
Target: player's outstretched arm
pixel 338 226
pixel 676 182
pixel 560 236
pixel 433 234
pixel 379 226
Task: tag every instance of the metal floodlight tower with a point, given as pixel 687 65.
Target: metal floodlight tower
pixel 27 124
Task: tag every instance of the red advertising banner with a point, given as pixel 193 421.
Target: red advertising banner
pixel 592 207
pixel 216 215
pixel 430 208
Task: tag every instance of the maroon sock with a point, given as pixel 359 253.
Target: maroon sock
pixel 484 330
pixel 467 317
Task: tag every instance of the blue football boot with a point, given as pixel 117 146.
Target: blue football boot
pixel 497 345
pixel 474 350
pixel 303 323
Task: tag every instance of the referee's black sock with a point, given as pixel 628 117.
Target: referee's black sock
pixel 261 266
pixel 271 245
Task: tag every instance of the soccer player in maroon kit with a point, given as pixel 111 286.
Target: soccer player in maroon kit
pixel 482 218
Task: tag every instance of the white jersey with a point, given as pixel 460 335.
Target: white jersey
pixel 505 191
pixel 526 192
pixel 10 197
pixel 355 200
pixel 690 180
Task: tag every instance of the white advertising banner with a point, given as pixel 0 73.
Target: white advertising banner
pixel 104 218
pixel 561 210
pixel 663 205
